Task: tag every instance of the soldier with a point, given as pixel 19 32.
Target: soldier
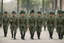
pixel 63 24
pixel 50 24
pixel 59 28
pixel 39 21
pixel 5 23
pixel 0 19
pixel 32 24
pixel 22 24
pixel 13 24
pixel 45 21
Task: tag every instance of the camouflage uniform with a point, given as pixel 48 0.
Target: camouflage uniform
pixel 59 28
pixel 13 25
pixel 32 25
pixel 50 25
pixel 22 24
pixel 5 23
pixel 39 22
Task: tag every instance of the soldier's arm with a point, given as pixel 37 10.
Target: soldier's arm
pixel 42 21
pixel 47 21
pixel 17 21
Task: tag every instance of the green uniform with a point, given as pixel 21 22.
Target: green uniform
pixel 32 26
pixel 5 24
pixel 63 26
pixel 50 25
pixel 39 22
pixel 59 28
pixel 22 26
pixel 13 26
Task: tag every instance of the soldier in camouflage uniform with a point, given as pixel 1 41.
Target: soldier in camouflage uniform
pixel 63 24
pixel 63 21
pixel 32 24
pixel 39 22
pixel 0 19
pixel 13 24
pixel 5 23
pixel 59 28
pixel 22 24
pixel 50 24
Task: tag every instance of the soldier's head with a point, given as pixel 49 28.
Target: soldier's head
pixel 22 13
pixel 32 13
pixel 59 13
pixel 39 13
pixel 5 13
pixel 13 13
pixel 51 13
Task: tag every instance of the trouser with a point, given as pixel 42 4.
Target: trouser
pixel 60 35
pixel 13 32
pixel 0 25
pixel 50 35
pixel 5 29
pixel 22 34
pixel 32 35
pixel 38 35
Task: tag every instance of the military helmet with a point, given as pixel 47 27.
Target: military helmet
pixel 39 12
pixel 14 12
pixel 62 12
pixel 59 11
pixel 22 12
pixel 32 11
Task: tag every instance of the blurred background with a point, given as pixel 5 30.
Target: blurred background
pixel 27 5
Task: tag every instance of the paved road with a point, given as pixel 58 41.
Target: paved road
pixel 44 38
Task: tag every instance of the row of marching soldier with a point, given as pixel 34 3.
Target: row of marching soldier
pixel 34 23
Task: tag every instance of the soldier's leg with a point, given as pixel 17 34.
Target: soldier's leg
pixel 31 32
pixel 32 35
pixel 23 35
pixel 59 35
pixel 38 35
pixel 50 35
pixel 5 31
pixel 0 25
pixel 12 32
pixel 15 30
